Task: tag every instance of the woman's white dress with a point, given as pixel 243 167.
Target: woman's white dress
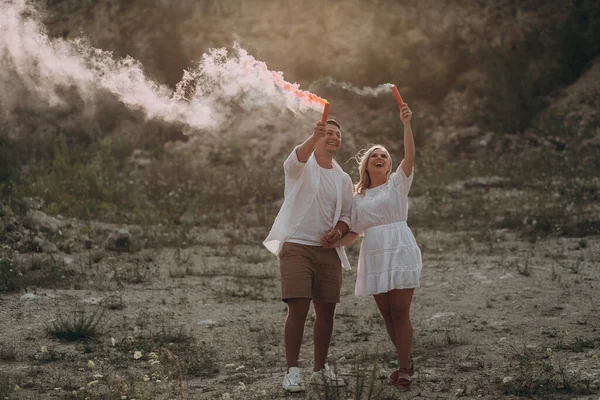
pixel 389 255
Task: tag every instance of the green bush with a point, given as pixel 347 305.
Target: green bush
pixel 83 181
pixel 9 166
pixel 521 75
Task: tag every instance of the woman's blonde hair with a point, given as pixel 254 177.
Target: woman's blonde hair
pixel 363 159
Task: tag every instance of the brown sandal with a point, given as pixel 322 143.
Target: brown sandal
pixel 393 377
pixel 404 379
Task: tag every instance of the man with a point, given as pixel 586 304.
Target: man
pixel 316 211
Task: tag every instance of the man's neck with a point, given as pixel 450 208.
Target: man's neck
pixel 325 160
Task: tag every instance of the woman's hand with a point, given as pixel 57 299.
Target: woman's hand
pixel 405 114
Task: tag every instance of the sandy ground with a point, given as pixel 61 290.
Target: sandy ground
pixel 495 317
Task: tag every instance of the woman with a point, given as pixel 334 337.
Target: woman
pixel 389 265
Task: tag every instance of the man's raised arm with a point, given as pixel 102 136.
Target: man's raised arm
pixel 306 148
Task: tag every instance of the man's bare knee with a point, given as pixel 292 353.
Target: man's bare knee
pixel 298 308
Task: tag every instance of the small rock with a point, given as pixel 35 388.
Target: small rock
pixel 44 246
pixel 87 242
pixel 208 322
pixel 120 240
pixel 37 220
pixel 34 203
pixel 29 296
pixel 507 380
pixel 67 246
pixel 93 300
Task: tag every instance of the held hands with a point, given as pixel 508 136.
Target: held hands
pixel 405 114
pixel 319 131
pixel 331 238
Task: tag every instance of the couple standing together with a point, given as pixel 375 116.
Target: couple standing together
pixel 321 214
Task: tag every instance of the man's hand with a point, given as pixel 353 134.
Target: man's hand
pixel 332 236
pixel 319 131
pixel 405 114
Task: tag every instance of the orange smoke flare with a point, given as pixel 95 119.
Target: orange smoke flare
pixel 325 111
pixel 309 97
pixel 397 96
pixel 305 97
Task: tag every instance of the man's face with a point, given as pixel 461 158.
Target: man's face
pixel 332 140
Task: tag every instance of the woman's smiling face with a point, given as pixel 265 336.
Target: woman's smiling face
pixel 378 162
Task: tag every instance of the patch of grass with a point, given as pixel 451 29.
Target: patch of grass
pixel 136 272
pixel 536 375
pixel 364 379
pixel 450 338
pixel 199 361
pixel 44 271
pixel 238 289
pixel 49 356
pixel 116 304
pixel 83 181
pixel 580 345
pixel 8 353
pixel 9 166
pixel 78 325
pixel 6 386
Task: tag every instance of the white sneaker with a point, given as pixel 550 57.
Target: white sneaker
pixel 292 382
pixel 326 377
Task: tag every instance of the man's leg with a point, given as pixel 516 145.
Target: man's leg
pixel 326 295
pixel 323 329
pixel 294 329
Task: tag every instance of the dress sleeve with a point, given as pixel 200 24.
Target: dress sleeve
pixel 356 225
pixel 400 181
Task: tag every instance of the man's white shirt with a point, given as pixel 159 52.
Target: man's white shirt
pixel 315 200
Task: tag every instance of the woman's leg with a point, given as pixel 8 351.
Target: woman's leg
pixel 400 301
pixel 383 303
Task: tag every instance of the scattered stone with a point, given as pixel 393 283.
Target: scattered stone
pixel 120 240
pixel 87 242
pixel 67 246
pixel 29 296
pixel 442 315
pixel 93 300
pixel 34 203
pixel 97 255
pixel 481 278
pixel 208 322
pixel 38 221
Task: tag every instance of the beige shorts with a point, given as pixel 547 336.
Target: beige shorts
pixel 310 272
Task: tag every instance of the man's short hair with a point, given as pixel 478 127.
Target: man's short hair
pixel 334 123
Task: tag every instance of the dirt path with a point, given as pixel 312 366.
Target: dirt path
pixel 495 317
